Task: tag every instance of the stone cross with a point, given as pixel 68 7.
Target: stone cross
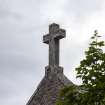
pixel 55 34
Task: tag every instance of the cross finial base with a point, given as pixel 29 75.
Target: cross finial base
pixel 50 70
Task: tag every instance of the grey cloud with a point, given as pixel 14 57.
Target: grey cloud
pixel 19 43
pixel 83 9
pixel 85 6
pixel 23 56
pixel 4 14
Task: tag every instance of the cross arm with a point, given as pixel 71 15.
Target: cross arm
pixel 60 34
pixel 46 39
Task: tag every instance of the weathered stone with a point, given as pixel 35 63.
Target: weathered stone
pixel 54 80
pixel 55 34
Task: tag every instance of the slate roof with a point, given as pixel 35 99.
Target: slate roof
pixel 48 90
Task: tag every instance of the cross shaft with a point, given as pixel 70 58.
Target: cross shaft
pixel 55 34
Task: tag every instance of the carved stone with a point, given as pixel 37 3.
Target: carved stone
pixel 54 80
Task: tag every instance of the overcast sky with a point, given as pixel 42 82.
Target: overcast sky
pixel 23 56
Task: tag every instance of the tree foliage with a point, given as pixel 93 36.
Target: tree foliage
pixel 68 96
pixel 92 72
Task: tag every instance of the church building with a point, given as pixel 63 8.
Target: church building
pixel 54 79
